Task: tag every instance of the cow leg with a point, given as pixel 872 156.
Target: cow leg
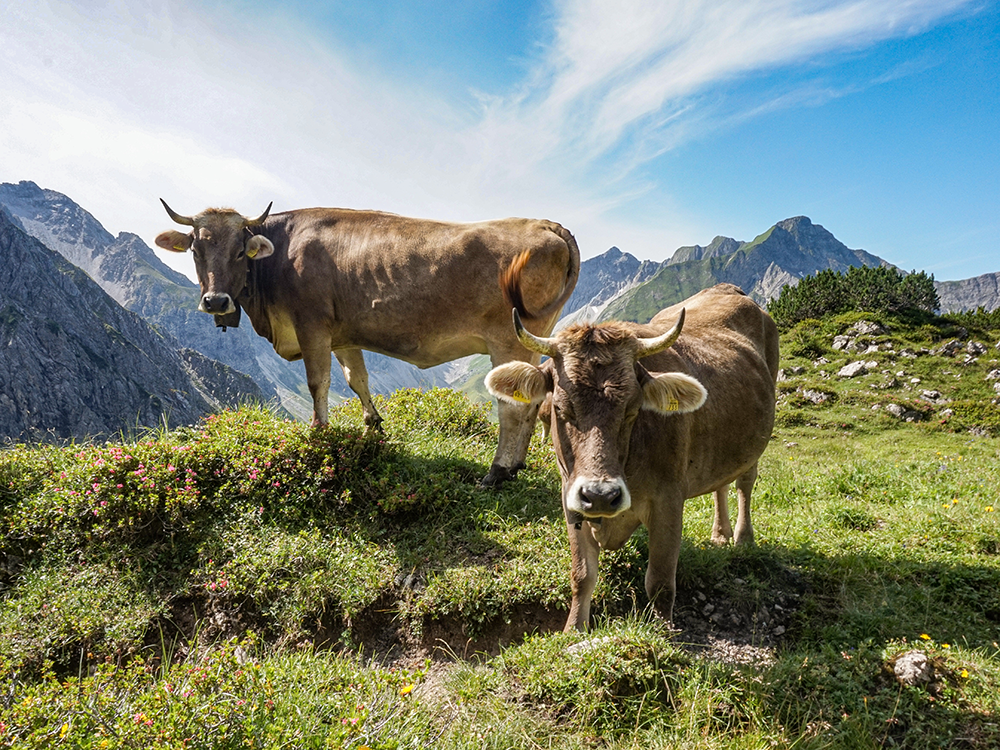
pixel 584 553
pixel 722 529
pixel 665 526
pixel 316 356
pixel 744 486
pixel 352 362
pixel 517 423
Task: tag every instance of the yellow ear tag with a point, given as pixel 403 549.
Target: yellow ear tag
pixel 179 248
pixel 673 404
pixel 252 252
pixel 518 396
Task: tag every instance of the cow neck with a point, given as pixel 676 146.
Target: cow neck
pixel 253 298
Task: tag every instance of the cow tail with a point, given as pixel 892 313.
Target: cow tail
pixel 510 279
pixel 510 285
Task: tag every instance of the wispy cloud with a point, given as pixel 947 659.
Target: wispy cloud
pixel 643 72
pixel 119 102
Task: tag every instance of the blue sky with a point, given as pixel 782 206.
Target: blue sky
pixel 643 125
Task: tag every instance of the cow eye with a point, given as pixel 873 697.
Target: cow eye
pixel 241 253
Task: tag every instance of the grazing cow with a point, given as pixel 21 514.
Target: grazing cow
pixel 643 418
pixel 318 280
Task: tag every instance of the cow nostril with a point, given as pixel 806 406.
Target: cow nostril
pixel 615 497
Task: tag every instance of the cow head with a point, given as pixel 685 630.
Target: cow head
pixel 222 248
pixel 594 385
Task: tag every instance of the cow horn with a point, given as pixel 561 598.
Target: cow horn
pixel 260 219
pixel 656 344
pixel 185 220
pixel 531 341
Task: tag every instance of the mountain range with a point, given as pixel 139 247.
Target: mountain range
pixel 614 285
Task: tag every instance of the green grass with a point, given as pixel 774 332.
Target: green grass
pixel 251 582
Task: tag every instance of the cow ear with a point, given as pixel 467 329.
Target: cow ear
pixel 259 247
pixel 673 392
pixel 518 383
pixel 174 241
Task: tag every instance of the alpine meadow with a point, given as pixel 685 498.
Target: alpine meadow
pixel 248 581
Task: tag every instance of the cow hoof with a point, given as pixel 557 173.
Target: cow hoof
pixel 499 474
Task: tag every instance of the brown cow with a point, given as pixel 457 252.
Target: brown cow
pixel 318 280
pixel 641 423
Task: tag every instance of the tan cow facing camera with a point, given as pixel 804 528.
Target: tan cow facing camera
pixel 643 417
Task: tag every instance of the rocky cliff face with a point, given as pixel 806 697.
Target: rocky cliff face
pixel 75 364
pixel 970 294
pixel 601 280
pixel 718 246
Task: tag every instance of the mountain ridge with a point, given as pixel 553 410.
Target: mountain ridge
pixel 77 365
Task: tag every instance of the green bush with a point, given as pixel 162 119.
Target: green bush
pixel 875 289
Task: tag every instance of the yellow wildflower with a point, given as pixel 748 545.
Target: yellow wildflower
pixel 407 690
pixel 925 636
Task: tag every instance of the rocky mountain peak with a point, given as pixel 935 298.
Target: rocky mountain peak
pixel 58 222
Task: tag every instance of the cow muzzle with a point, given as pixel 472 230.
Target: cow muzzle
pixel 217 303
pixel 598 498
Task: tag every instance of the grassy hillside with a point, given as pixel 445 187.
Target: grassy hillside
pixel 249 582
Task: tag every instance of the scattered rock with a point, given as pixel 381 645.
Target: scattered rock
pixel 821 361
pixel 913 669
pixel 842 342
pixel 817 397
pixel 975 348
pixel 789 372
pixel 908 353
pixel 993 375
pixel 868 328
pixel 904 414
pixel 856 368
pixel 950 349
pixel 934 396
